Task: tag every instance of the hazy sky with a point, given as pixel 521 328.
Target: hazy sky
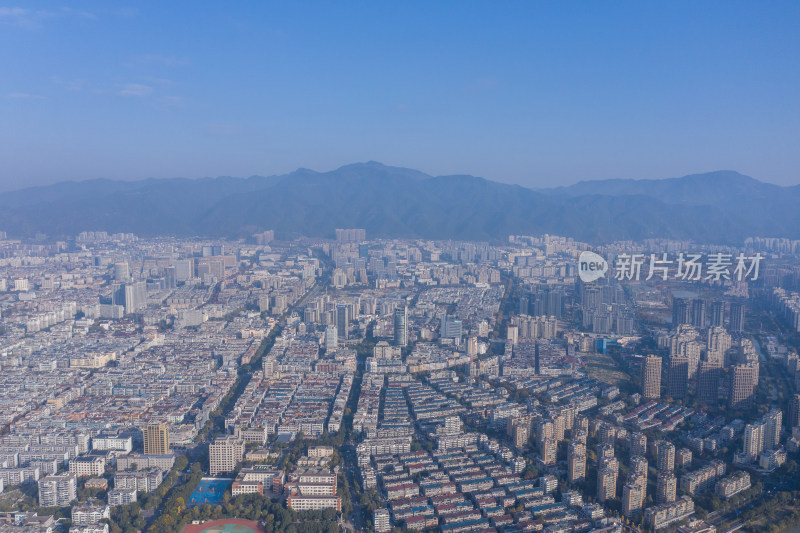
pixel 537 93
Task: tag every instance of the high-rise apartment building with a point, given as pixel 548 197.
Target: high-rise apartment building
pixel 545 429
pixel 736 324
pixel 639 465
pixel 338 279
pixel 121 272
pixel 699 313
pixel 264 237
pixel 651 377
pixel 667 487
pixel 717 318
pixel 58 490
pixel 184 269
pixel 548 448
pixel 225 454
pixel 519 430
pixel 742 387
pixel 472 345
pixel 351 235
pixel 451 327
pixel 512 333
pixel 666 456
pixel 453 425
pixel 683 457
pixel 708 376
pixel 638 444
pixel 381 520
pixel 719 342
pixel 681 312
pixel 794 411
pixel 156 439
pixel 773 421
pixel 132 296
pixel 401 326
pixel 170 277
pixel 605 451
pixel 342 320
pixel 212 250
pixel 678 376
pixel 331 338
pixel 753 440
pixel 607 479
pixel 576 459
pixel 633 495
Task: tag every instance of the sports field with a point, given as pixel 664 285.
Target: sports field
pixel 209 490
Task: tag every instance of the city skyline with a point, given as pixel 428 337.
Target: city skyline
pixel 470 267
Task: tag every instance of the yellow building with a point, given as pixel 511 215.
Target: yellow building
pixel 156 439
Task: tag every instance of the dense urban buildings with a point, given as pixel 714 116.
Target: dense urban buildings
pixel 475 382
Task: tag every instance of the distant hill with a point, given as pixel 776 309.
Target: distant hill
pixel 398 202
pixel 723 187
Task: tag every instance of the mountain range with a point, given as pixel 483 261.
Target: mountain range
pixel 719 207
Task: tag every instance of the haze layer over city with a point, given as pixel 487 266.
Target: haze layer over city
pixel 459 267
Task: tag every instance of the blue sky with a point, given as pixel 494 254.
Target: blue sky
pixel 536 93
